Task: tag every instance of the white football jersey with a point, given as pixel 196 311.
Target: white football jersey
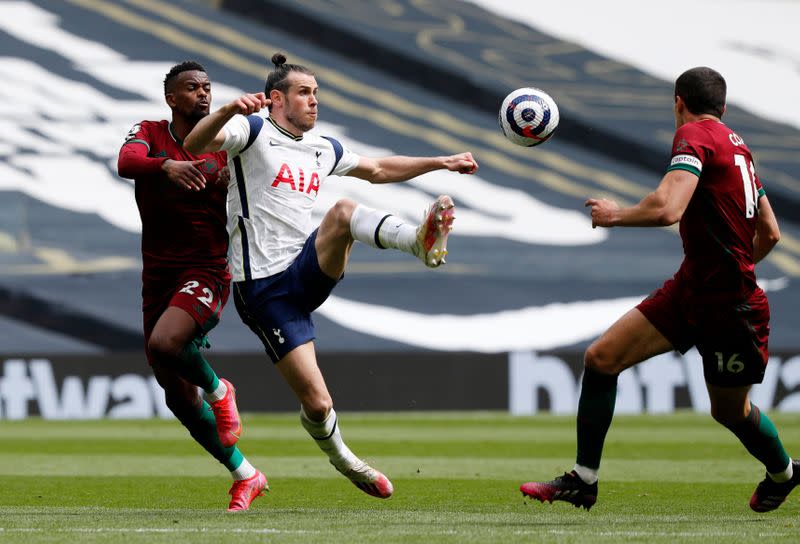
pixel 275 178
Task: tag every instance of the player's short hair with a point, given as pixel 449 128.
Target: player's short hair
pixel 185 66
pixel 703 90
pixel 278 78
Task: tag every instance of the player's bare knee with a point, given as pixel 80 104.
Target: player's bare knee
pixel 599 360
pixel 164 347
pixel 727 416
pixel 342 212
pixel 317 408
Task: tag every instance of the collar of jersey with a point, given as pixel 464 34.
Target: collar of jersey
pixel 283 130
pixel 174 136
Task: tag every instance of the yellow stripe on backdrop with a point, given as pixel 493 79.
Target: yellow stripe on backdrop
pixel 450 134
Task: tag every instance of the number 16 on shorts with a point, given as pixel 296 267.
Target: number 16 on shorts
pixel 732 365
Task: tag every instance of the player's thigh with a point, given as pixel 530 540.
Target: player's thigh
pixel 630 340
pixel 174 329
pixel 734 347
pixel 202 295
pixel 333 238
pixel 270 307
pixel 309 284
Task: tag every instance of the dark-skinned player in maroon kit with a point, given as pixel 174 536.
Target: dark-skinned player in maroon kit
pixel 713 302
pixel 185 280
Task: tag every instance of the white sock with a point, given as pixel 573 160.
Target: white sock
pixel 218 393
pixel 588 475
pixel 783 476
pixel 327 436
pixel 383 230
pixel 244 471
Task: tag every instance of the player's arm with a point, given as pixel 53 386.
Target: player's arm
pixel 401 168
pixel 208 134
pixel 662 207
pixel 767 232
pixel 134 162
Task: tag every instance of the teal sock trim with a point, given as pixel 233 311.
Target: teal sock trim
pixel 235 459
pixel 595 412
pixel 203 428
pixel 214 385
pixel 758 434
pixel 193 367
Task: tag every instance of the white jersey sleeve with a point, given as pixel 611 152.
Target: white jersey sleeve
pixel 345 160
pixel 240 132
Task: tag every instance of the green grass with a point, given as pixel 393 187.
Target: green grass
pixel 678 478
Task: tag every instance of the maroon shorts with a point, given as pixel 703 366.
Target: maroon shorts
pixel 200 293
pixel 731 336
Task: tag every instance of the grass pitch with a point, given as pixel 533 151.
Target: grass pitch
pixel 678 478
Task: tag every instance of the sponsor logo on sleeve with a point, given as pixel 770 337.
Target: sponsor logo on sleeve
pixel 132 133
pixel 687 160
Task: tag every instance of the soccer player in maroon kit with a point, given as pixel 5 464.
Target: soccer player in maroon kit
pixel 712 302
pixel 185 279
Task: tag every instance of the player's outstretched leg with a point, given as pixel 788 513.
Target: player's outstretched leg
pixel 329 439
pixel 569 488
pixel 770 494
pixel 432 233
pixel 244 492
pixel 427 242
pixel 226 414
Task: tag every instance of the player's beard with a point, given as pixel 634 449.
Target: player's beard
pixel 297 122
pixel 196 114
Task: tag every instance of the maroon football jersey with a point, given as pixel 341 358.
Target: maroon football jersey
pixel 719 224
pixel 180 228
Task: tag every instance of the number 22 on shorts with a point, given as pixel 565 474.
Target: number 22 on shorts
pixel 189 287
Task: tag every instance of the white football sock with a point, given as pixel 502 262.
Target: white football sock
pixel 329 439
pixel 218 393
pixel 588 475
pixel 783 476
pixel 244 471
pixel 382 230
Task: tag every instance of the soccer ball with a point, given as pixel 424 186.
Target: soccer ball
pixel 528 116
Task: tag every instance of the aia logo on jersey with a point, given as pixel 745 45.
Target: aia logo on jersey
pixel 297 182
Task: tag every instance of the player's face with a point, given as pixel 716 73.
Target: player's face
pixel 190 95
pixel 677 114
pixel 301 101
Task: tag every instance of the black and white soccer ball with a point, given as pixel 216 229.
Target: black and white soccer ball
pixel 528 116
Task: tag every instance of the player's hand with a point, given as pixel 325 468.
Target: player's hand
pixel 463 163
pixel 604 212
pixel 250 103
pixel 185 174
pixel 223 176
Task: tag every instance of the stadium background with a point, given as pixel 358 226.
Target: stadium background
pixel 528 284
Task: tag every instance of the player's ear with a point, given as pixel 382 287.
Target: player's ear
pixel 170 98
pixel 276 97
pixel 680 105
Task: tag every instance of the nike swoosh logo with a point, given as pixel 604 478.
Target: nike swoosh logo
pixel 274 143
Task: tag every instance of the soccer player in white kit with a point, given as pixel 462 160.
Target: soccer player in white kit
pixel 282 268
